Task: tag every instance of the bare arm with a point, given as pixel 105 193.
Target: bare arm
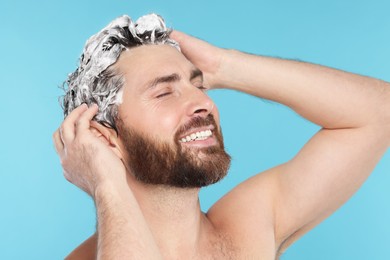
pixel 91 160
pixel 330 98
pixel 354 113
pixel 86 250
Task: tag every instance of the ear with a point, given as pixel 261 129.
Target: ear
pixel 108 136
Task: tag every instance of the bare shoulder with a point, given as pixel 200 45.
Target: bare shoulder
pixel 86 250
pixel 247 198
pixel 247 212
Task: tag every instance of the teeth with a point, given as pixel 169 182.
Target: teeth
pixel 202 135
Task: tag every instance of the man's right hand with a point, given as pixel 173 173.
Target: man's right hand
pixel 87 156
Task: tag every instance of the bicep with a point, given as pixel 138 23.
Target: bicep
pixel 322 176
pixel 86 250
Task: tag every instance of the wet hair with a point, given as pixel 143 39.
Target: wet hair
pixel 96 80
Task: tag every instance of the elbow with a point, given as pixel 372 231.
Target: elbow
pixel 386 118
pixel 387 130
pixel 381 117
pixel 387 134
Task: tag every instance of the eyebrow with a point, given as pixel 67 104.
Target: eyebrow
pixel 196 73
pixel 174 77
pixel 164 79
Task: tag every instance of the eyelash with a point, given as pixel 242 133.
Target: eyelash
pixel 202 88
pixel 164 94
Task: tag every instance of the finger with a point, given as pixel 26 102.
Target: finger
pixel 203 55
pixel 67 130
pixel 189 43
pixel 181 37
pixel 177 36
pixel 58 144
pixel 184 40
pixel 84 120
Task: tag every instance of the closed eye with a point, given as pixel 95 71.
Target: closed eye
pixel 163 94
pixel 202 88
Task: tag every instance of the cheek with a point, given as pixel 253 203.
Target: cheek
pixel 215 113
pixel 167 123
pixel 166 116
pixel 160 124
pixel 159 120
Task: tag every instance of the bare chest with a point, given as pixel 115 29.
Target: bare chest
pixel 227 247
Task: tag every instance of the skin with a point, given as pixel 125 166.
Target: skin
pixel 262 216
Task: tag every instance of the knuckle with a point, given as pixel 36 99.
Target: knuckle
pixel 61 130
pixel 78 123
pixel 63 162
pixel 64 123
pixel 67 177
pixel 54 135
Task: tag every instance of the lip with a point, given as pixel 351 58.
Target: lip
pixel 199 129
pixel 210 141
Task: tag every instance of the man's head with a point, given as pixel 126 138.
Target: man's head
pixel 154 98
pixel 95 80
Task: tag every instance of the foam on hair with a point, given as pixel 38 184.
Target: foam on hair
pixel 95 80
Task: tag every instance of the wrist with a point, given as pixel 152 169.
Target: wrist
pixel 109 189
pixel 224 76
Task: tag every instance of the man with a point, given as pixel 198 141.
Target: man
pixel 153 140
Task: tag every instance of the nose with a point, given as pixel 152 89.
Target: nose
pixel 199 103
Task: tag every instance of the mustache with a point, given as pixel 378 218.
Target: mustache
pixel 196 122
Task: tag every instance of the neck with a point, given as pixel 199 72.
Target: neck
pixel 173 215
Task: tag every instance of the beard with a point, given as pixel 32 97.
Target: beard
pixel 160 163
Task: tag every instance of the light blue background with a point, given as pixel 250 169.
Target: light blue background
pixel 44 217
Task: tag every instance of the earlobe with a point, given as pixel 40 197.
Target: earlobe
pixel 108 136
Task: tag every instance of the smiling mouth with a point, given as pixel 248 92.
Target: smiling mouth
pixel 197 136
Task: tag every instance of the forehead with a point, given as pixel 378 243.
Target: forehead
pixel 141 64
